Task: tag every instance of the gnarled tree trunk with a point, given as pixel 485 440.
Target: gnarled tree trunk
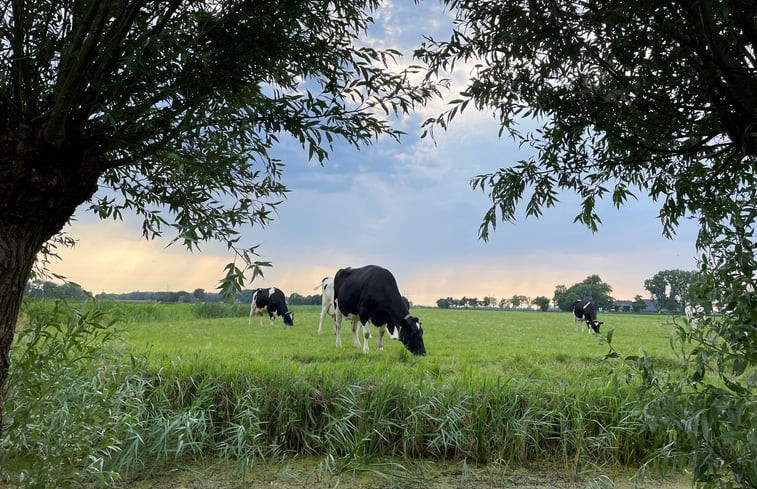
pixel 18 248
pixel 40 188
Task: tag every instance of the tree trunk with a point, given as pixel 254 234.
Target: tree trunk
pixel 18 248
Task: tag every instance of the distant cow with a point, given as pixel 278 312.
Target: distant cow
pixel 585 310
pixel 370 295
pixel 694 314
pixel 273 301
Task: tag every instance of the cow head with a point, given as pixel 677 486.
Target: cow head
pixel 411 335
pixel 288 318
pixel 595 325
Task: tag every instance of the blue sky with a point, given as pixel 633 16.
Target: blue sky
pixel 406 206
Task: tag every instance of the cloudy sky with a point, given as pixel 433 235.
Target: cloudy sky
pixel 406 206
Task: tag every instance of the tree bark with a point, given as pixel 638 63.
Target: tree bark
pixel 18 249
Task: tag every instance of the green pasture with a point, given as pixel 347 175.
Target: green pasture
pixel 184 383
pixel 526 345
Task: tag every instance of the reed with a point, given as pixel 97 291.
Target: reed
pixel 194 389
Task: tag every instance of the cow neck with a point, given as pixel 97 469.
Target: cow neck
pixel 407 317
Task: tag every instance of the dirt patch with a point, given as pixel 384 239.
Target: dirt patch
pixel 310 474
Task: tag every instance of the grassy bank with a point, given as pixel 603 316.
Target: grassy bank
pixel 511 387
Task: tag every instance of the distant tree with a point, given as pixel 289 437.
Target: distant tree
pixel 638 304
pixel 296 299
pixel 591 289
pixel 503 303
pixel 50 290
pixel 669 289
pixel 564 298
pixel 444 303
pixel 518 300
pixel 199 295
pixel 541 302
pixel 244 296
pixel 595 290
pixel 489 301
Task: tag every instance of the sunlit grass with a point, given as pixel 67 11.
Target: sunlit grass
pixel 508 344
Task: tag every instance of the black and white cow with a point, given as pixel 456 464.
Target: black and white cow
pixel 273 301
pixel 585 310
pixel 694 314
pixel 327 309
pixel 370 295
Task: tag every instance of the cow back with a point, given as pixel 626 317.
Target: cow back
pixel 369 291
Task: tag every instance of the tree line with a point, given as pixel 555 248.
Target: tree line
pixel 38 289
pixel 669 290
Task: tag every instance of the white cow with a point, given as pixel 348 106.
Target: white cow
pixel 327 301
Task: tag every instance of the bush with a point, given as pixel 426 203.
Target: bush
pixel 61 396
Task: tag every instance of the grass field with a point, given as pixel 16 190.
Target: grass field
pixel 502 387
pixel 500 344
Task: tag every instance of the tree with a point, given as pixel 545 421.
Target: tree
pixel 444 303
pixel 591 289
pixel 563 298
pixel 595 290
pixel 199 295
pixel 541 302
pixel 638 304
pixel 669 289
pixel 636 97
pixel 174 106
pixel 51 290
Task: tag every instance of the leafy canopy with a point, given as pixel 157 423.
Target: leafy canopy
pixel 592 289
pixel 628 96
pixel 171 108
pixel 670 289
pixel 638 97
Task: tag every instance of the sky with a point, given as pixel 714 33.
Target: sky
pixel 406 206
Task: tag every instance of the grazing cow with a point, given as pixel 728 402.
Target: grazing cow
pixel 585 310
pixel 370 295
pixel 694 314
pixel 273 301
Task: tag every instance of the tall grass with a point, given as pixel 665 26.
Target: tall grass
pixel 83 404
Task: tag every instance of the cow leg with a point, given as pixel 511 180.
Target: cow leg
pixel 366 335
pixel 324 311
pixel 380 346
pixel 355 334
pixel 338 328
